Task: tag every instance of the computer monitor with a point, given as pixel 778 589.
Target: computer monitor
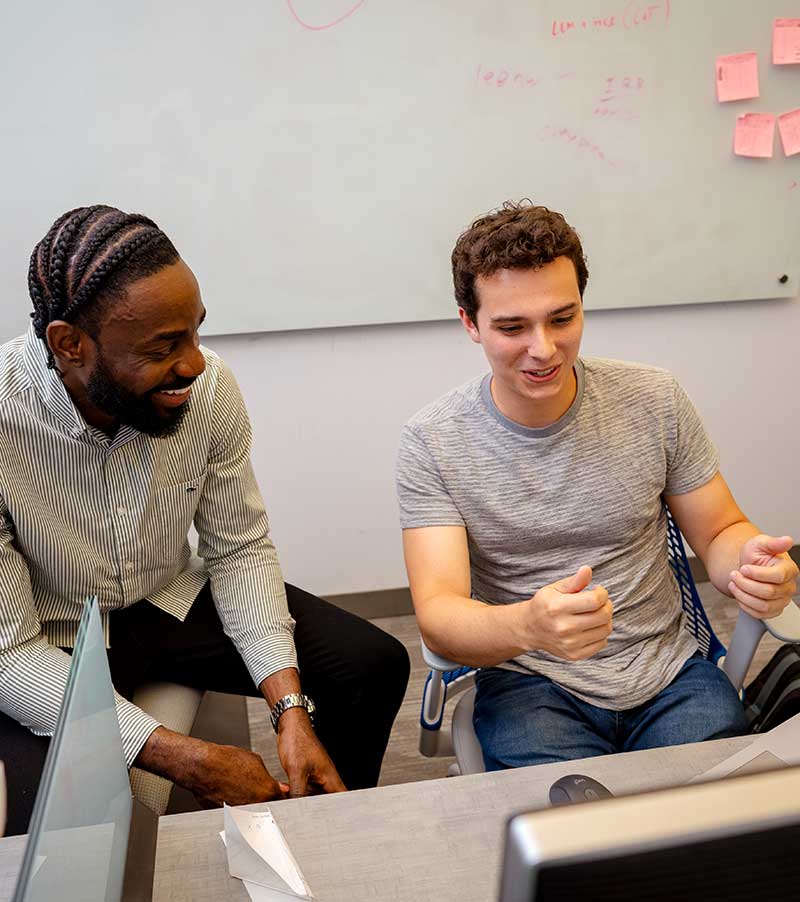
pixel 86 828
pixel 737 839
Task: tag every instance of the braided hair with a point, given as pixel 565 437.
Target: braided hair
pixel 85 261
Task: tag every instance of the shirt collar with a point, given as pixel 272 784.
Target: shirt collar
pixel 527 431
pixel 49 387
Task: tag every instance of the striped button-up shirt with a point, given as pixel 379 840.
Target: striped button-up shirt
pixel 84 515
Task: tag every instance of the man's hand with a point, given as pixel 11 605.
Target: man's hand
pixel 767 577
pixel 568 620
pixel 307 764
pixel 213 773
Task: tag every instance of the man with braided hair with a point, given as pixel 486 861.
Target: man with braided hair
pixel 119 431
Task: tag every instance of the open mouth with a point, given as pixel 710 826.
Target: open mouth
pixel 541 375
pixel 172 397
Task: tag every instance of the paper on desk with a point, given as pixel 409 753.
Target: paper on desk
pixel 777 748
pixel 259 855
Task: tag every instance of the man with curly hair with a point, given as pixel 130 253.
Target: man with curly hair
pixel 534 530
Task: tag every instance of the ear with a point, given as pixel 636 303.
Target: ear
pixel 68 343
pixel 469 325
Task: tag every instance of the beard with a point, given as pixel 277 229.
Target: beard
pixel 130 409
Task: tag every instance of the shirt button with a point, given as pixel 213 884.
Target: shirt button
pixel 122 511
pixel 129 566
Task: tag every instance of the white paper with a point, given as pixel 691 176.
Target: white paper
pixel 779 747
pixel 259 856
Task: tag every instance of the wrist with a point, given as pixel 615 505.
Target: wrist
pixel 522 633
pixel 288 703
pixel 294 719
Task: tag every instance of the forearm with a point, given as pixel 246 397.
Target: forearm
pixel 472 632
pixel 174 756
pixel 722 555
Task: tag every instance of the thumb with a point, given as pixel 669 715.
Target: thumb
pixel 772 545
pixel 575 583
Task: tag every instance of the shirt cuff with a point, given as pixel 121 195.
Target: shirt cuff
pixel 135 728
pixel 269 655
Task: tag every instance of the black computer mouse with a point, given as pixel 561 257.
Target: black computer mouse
pixel 577 788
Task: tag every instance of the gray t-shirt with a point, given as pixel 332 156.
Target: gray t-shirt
pixel 539 503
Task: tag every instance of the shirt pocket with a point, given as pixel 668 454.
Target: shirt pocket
pixel 174 507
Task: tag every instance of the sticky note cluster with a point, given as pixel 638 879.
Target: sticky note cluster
pixel 737 79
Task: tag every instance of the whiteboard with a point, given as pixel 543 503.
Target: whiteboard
pixel 315 160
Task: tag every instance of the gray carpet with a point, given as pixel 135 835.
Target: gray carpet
pixel 403 762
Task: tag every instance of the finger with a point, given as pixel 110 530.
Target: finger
pixel 590 637
pixel 588 650
pixel 584 602
pixel 775 573
pixel 575 583
pixel 758 607
pixel 330 781
pixel 767 591
pixel 285 789
pixel 758 615
pixel 583 623
pixel 298 785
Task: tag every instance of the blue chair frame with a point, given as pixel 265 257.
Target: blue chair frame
pixel 447 678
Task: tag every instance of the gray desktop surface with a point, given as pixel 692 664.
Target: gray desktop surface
pixel 435 840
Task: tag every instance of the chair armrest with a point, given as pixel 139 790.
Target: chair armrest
pixel 437 662
pixel 747 635
pixel 786 626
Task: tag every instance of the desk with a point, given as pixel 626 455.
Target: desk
pixel 435 840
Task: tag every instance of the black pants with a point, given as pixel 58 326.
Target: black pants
pixel 356 674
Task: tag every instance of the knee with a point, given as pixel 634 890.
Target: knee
pixel 392 664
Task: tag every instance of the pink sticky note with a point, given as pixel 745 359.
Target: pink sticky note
pixel 786 42
pixel 737 77
pixel 789 128
pixel 755 133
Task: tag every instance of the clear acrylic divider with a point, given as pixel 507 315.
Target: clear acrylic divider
pixel 79 828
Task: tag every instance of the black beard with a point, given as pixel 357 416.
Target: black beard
pixel 137 411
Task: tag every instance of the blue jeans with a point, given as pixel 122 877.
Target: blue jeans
pixel 524 718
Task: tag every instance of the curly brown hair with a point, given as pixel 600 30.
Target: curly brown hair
pixel 517 236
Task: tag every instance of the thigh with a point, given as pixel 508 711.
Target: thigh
pixel 338 652
pixel 523 719
pixel 23 756
pixel 699 704
pixel 149 644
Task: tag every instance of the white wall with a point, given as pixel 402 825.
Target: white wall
pixel 327 407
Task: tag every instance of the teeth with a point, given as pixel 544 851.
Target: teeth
pixel 542 372
pixel 175 391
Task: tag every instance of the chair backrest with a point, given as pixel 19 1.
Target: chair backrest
pixel 696 619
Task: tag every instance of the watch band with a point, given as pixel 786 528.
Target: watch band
pixel 293 700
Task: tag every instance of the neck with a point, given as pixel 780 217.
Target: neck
pixel 529 412
pixel 80 398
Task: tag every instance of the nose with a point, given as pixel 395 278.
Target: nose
pixel 541 345
pixel 191 364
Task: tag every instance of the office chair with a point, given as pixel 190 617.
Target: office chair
pixel 447 677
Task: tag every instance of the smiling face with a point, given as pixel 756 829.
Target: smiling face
pixel 529 323
pixel 138 366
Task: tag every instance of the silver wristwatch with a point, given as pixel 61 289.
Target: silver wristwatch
pixel 293 700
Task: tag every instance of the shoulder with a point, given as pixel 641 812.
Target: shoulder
pixel 454 407
pixel 627 381
pixel 14 378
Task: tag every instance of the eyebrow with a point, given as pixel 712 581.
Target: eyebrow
pixel 168 336
pixel 518 319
